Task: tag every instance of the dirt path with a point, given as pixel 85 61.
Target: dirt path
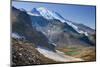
pixel 57 56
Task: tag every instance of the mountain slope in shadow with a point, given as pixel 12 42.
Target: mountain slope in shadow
pixel 25 39
pixel 22 25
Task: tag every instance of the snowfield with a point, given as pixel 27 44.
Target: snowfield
pixel 57 56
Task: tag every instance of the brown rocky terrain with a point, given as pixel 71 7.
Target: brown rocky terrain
pixel 88 54
pixel 85 53
pixel 24 53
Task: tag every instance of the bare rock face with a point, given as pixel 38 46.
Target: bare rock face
pixel 24 53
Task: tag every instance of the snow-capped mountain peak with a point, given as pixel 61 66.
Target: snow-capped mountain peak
pixel 34 11
pixel 44 12
pixel 49 14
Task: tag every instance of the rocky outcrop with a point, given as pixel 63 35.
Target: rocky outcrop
pixel 24 53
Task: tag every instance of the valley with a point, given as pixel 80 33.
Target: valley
pixel 42 36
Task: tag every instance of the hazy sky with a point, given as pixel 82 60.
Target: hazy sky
pixel 75 13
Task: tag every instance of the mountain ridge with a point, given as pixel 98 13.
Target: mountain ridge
pixel 50 15
pixel 53 28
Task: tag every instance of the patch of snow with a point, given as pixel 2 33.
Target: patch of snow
pixel 69 23
pixel 86 34
pixel 48 14
pixel 45 13
pixel 76 28
pixel 32 14
pixel 54 44
pixel 57 56
pixel 17 36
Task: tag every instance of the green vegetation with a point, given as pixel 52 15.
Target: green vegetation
pixel 72 53
pixel 86 53
pixel 73 48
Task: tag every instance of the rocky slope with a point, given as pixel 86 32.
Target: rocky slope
pixel 22 27
pixel 25 39
pixel 24 53
pixel 86 53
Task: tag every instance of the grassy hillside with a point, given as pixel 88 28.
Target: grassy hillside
pixel 86 53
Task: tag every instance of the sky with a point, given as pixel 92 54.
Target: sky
pixel 76 13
